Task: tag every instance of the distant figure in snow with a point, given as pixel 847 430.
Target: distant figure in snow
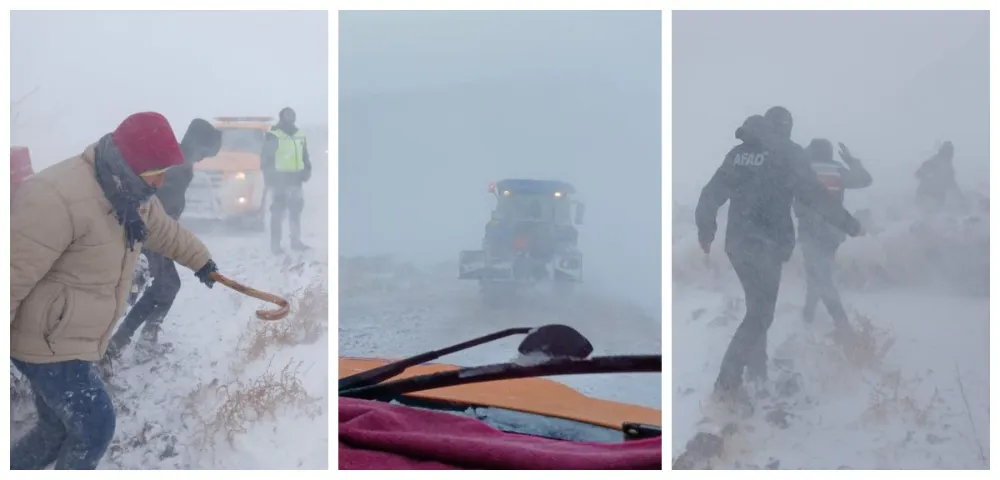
pixel 759 178
pixel 937 184
pixel 819 240
pixel 286 166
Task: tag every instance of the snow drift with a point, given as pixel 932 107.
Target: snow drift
pixel 912 392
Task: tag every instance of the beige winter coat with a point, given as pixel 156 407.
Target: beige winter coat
pixel 70 271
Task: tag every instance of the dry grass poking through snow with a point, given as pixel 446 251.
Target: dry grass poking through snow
pixel 868 348
pixel 865 350
pixel 232 408
pixel 305 325
pixel 227 409
pixel 888 399
pixel 894 399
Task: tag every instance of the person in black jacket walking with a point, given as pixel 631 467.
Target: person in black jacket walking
pixel 201 141
pixel 820 240
pixel 759 178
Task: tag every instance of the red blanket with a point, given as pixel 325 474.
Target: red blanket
pixel 380 436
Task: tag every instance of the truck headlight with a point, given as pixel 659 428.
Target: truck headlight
pixel 241 200
pixel 241 176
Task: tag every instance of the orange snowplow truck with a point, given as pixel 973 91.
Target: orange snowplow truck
pixel 20 167
pixel 229 187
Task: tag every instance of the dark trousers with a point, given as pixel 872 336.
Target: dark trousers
pixel 819 281
pixel 760 277
pixel 286 198
pixel 154 304
pixel 76 419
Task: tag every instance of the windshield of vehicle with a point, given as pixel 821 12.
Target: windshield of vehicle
pixel 512 421
pixel 542 207
pixel 242 140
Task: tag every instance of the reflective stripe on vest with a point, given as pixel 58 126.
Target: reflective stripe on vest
pixel 288 157
pixel 829 175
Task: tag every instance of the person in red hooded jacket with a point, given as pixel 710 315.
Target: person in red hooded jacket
pixel 77 229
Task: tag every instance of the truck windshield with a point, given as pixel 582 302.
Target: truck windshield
pixel 540 207
pixel 242 140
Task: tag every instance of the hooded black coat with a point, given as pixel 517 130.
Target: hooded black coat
pixel 760 178
pixel 200 141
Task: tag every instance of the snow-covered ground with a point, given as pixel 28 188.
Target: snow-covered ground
pixel 392 308
pixel 912 394
pixel 236 392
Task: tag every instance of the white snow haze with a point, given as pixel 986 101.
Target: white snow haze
pixel 913 391
pixel 86 71
pixel 234 391
pixel 434 106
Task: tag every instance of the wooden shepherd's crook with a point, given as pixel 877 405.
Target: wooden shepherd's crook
pixel 276 314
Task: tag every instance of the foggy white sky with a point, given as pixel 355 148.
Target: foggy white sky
pixel 435 105
pixel 888 84
pixel 391 51
pixel 95 68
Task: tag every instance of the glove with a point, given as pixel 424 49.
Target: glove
pixel 857 230
pixel 306 175
pixel 204 273
pixel 706 246
pixel 846 155
pixel 705 241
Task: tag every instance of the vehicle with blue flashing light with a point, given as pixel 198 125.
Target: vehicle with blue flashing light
pixel 531 239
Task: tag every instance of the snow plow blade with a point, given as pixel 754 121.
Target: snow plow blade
pixel 569 266
pixel 473 265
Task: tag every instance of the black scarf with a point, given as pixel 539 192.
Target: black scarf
pixel 123 188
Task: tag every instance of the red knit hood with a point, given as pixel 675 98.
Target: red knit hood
pixel 147 142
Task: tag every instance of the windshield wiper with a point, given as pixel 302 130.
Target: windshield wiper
pixel 550 340
pixel 507 371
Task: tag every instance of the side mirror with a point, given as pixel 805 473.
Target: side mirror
pixel 580 209
pixel 556 341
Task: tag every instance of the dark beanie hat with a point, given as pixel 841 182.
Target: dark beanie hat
pixel 201 139
pixel 820 150
pixel 147 142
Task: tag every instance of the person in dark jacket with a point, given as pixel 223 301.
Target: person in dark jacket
pixel 937 180
pixel 759 178
pixel 201 141
pixel 819 240
pixel 286 166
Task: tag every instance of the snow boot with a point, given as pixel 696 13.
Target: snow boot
pixel 844 334
pixel 758 386
pixel 298 246
pixel 809 313
pixel 105 367
pixel 733 401
pixel 149 345
pixel 116 346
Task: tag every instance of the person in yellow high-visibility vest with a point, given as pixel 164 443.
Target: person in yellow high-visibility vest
pixel 285 163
